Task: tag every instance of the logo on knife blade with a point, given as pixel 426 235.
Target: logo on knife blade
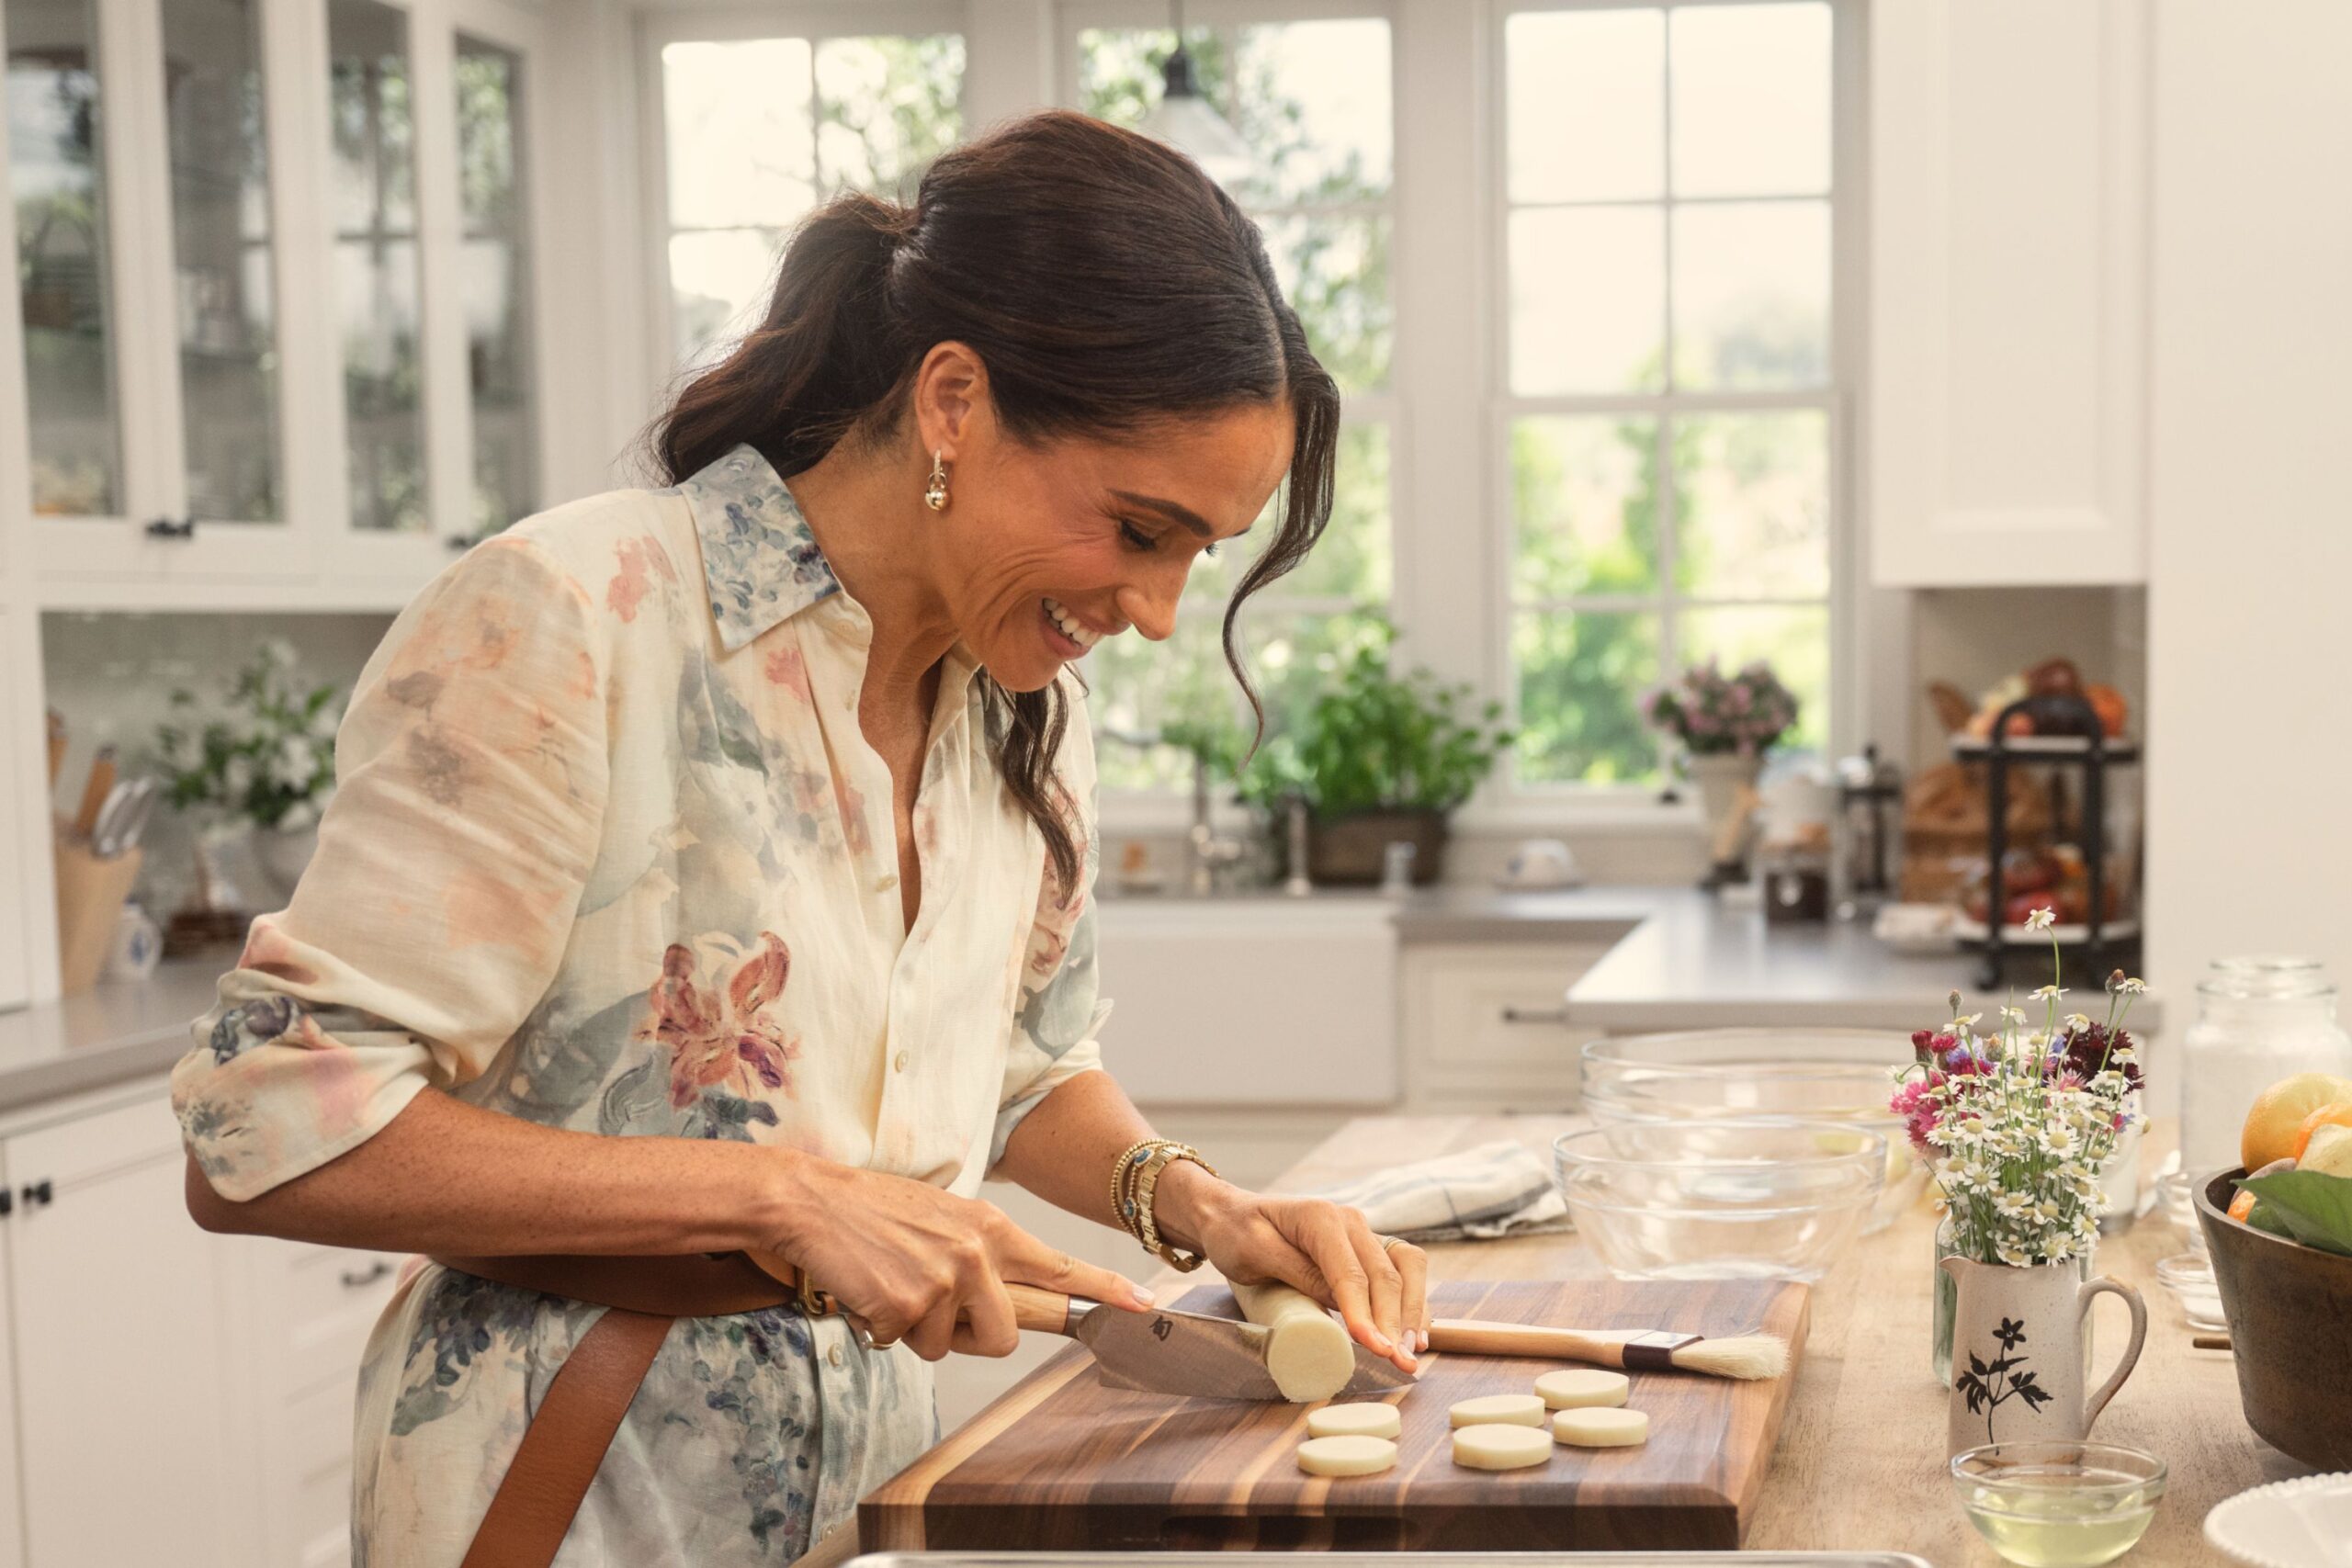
pixel 1161 1329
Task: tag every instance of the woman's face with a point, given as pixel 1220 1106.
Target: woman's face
pixel 1048 550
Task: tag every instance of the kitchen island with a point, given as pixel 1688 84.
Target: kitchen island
pixel 1861 1460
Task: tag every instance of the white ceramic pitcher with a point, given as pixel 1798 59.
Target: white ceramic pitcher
pixel 2017 1353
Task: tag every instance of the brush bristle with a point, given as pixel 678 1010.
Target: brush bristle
pixel 1747 1357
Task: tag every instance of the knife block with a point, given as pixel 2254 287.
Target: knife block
pixel 90 894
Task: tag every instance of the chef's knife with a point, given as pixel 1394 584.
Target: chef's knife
pixel 1163 1351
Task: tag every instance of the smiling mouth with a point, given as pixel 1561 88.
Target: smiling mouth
pixel 1069 628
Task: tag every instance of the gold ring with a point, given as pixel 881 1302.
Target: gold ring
pixel 1387 1242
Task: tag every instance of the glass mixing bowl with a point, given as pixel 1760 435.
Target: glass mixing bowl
pixel 1814 1074
pixel 2059 1505
pixel 1731 1199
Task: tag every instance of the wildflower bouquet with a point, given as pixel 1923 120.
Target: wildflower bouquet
pixel 1714 713
pixel 2016 1124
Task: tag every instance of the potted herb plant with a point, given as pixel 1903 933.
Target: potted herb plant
pixel 1378 759
pixel 265 756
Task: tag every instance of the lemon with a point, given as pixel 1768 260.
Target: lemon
pixel 2278 1113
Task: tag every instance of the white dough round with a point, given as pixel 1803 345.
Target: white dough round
pixel 1355 1455
pixel 1509 1409
pixel 1578 1388
pixel 1355 1421
pixel 1601 1428
pixel 1500 1448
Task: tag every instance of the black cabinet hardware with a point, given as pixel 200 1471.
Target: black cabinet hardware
pixel 37 1193
pixel 172 528
pixel 355 1279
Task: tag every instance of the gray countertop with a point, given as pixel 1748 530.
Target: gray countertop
pixel 1680 960
pixel 1695 965
pixel 109 1034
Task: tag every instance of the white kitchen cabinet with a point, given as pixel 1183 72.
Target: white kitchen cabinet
pixel 127 1420
pixel 282 356
pixel 314 1307
pixel 1261 1002
pixel 2008 286
pixel 1485 1024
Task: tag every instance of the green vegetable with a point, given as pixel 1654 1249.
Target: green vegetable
pixel 2305 1205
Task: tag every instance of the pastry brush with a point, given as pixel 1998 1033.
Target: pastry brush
pixel 1742 1356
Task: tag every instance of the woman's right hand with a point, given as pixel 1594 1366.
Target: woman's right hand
pixel 911 1262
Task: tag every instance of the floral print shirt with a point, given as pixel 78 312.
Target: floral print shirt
pixel 609 852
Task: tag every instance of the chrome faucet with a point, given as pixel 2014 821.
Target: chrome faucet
pixel 1212 852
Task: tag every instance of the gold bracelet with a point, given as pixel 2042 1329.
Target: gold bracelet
pixel 1164 1153
pixel 1122 1204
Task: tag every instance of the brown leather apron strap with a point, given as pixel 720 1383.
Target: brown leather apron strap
pixel 565 1443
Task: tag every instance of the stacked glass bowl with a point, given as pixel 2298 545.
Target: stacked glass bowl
pixel 1757 1153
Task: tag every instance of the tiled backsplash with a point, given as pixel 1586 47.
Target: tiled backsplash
pixel 112 676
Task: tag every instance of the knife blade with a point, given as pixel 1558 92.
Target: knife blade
pixel 1164 1350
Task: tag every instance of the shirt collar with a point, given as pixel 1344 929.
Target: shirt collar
pixel 760 561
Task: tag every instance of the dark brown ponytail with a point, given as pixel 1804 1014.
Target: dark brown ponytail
pixel 1106 283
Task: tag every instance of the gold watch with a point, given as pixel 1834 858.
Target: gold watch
pixel 1137 1184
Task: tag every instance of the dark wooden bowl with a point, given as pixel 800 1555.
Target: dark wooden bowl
pixel 2290 1325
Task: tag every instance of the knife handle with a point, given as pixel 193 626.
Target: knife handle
pixel 1040 1311
pixel 1466 1336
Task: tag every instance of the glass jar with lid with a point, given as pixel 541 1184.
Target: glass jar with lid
pixel 2258 1019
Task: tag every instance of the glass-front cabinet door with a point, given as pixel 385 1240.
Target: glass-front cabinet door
pixel 273 289
pixel 151 281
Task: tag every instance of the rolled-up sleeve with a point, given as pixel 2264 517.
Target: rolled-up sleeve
pixel 1057 1028
pixel 471 774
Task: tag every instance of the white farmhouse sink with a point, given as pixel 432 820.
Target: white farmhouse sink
pixel 1250 1000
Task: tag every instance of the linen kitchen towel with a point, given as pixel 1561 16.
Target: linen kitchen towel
pixel 1496 1190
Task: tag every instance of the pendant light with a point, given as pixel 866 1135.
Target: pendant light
pixel 1184 118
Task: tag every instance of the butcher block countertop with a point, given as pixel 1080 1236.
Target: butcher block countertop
pixel 1861 1460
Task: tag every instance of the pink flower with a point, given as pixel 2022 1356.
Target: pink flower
pixel 723 1034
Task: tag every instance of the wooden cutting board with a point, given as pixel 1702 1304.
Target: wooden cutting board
pixel 1063 1462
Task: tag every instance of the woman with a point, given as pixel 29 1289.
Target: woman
pixel 710 878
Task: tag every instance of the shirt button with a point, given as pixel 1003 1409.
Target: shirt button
pixel 834 1355
pixel 886 881
pixel 900 1065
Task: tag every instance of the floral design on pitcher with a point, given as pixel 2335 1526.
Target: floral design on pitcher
pixel 1982 1384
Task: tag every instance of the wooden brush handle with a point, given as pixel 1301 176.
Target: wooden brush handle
pixel 1465 1337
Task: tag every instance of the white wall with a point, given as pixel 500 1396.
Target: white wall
pixel 2250 547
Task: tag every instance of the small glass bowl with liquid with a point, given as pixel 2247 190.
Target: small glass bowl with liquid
pixel 2059 1505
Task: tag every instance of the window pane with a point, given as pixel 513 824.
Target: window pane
pixel 1351 560
pixel 1585 492
pixel 1793 639
pixel 1581 676
pixel 377 286
pixel 1334 273
pixel 492 167
pixel 1138 688
pixel 1752 491
pixel 886 107
pixel 220 217
pixel 1588 300
pixel 719 280
pixel 1312 99
pixel 1751 100
pixel 1751 295
pixel 56 179
pixel 740 132
pixel 1587 97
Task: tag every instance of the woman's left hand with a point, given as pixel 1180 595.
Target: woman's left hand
pixel 1379 1284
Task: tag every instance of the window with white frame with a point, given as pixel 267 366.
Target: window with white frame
pixel 1306 85
pixel 760 124
pixel 1668 375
